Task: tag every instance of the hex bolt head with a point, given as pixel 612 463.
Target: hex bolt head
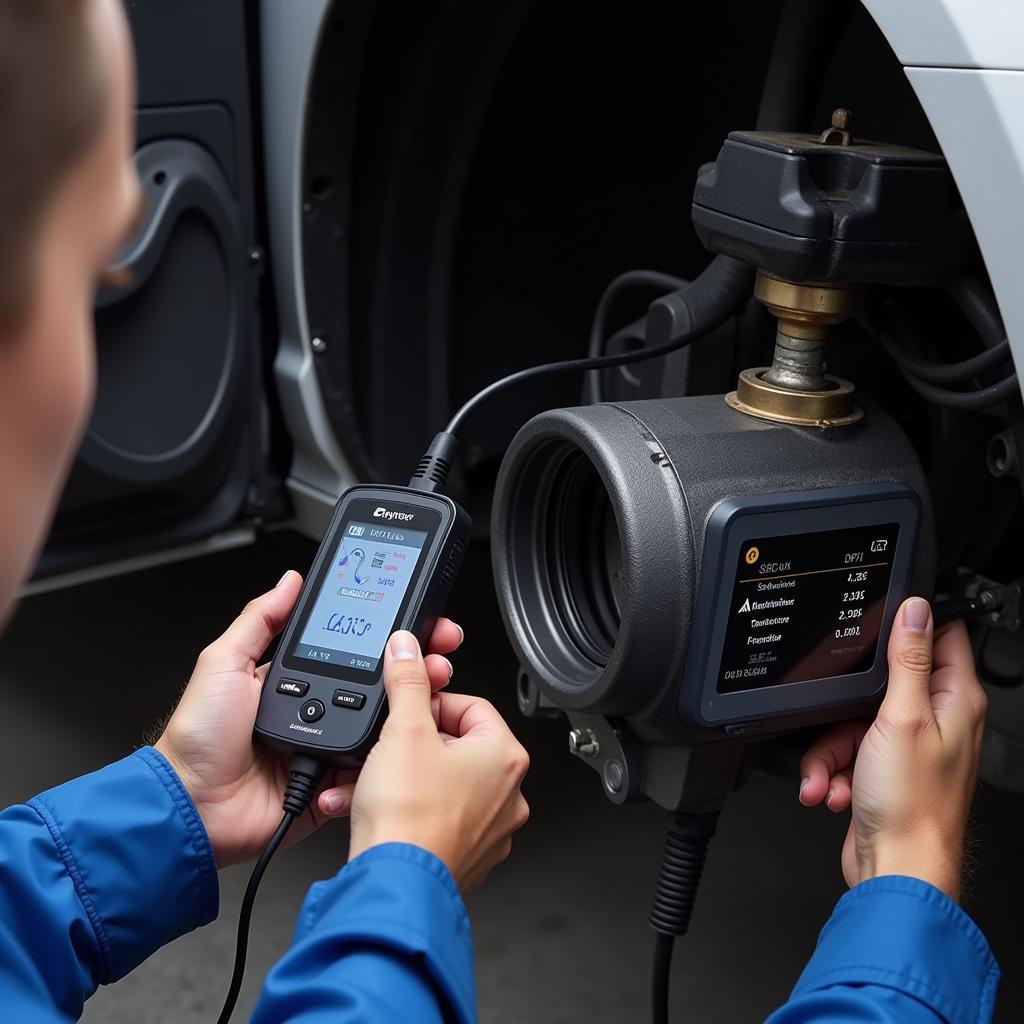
pixel 583 743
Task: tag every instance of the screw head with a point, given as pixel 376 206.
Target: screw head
pixel 841 119
pixel 319 344
pixel 614 776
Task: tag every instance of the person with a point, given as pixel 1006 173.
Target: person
pixel 898 947
pixel 98 873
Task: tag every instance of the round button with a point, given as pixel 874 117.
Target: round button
pixel 311 711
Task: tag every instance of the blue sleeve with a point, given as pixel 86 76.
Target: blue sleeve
pixel 387 939
pixel 896 950
pixel 94 876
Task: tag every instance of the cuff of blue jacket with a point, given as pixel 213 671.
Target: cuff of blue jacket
pixel 401 898
pixel 904 934
pixel 138 854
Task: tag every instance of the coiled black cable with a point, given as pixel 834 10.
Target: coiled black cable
pixel 686 847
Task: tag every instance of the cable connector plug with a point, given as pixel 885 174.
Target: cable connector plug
pixel 437 462
pixel 304 775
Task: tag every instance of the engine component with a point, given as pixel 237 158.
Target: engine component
pixel 795 388
pixel 831 208
pixel 817 214
pixel 674 572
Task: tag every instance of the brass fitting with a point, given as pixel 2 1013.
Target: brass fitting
pixel 795 388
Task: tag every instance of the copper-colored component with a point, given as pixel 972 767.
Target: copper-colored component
pixel 807 306
pixel 795 388
pixel 758 397
pixel 838 134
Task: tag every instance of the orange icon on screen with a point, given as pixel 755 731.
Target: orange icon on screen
pixel 752 555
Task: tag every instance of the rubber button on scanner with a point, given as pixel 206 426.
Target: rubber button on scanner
pixel 311 711
pixel 346 699
pixel 293 687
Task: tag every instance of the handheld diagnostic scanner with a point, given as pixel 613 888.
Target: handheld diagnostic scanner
pixel 388 561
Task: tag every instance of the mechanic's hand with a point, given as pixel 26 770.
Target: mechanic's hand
pixel 445 774
pixel 911 775
pixel 236 784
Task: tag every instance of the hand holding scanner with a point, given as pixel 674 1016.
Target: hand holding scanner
pixel 388 561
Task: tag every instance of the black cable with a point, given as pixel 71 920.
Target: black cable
pixel 951 373
pixel 966 609
pixel 305 774
pixel 686 847
pixel 976 400
pixel 978 304
pixel 571 365
pixel 245 917
pixel 966 401
pixel 661 976
pixel 617 285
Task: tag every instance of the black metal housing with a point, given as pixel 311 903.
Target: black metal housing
pixel 805 210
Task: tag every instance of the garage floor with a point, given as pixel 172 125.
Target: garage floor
pixel 560 930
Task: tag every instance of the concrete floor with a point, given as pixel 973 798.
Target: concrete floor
pixel 560 930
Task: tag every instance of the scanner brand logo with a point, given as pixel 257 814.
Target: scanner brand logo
pixel 385 513
pixel 306 728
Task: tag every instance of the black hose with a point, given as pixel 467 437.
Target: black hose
pixel 630 279
pixel 803 46
pixel 724 284
pixel 967 401
pixel 952 373
pixel 686 847
pixel 975 400
pixel 976 301
pixel 717 292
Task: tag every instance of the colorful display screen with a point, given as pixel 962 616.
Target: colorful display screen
pixel 357 606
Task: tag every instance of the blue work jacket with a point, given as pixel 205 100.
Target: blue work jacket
pixel 97 874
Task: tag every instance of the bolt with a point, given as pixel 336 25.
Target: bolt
pixel 839 131
pixel 583 743
pixel 319 345
pixel 255 255
pixel 1002 455
pixel 841 119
